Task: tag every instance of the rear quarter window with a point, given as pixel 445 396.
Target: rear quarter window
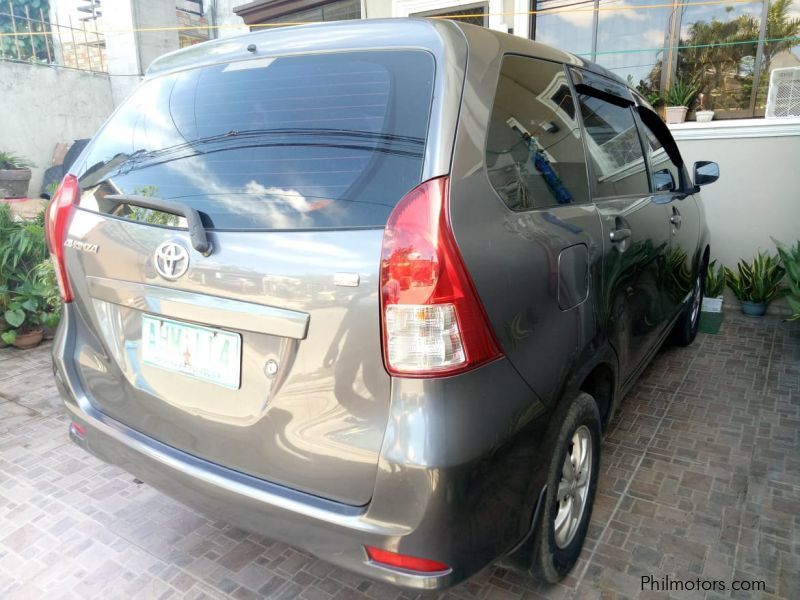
pixel 534 153
pixel 304 142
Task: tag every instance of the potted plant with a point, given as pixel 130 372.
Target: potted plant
pixel 703 115
pixel 15 175
pixel 715 285
pixel 790 257
pixel 756 284
pixel 4 300
pixel 26 311
pixel 678 99
pixel 45 275
pixel 6 249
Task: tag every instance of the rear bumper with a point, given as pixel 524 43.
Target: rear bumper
pixel 464 503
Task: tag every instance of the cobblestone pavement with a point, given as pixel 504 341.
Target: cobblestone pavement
pixel 700 477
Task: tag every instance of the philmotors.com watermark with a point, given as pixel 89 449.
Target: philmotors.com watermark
pixel 665 583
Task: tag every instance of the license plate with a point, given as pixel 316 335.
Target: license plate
pixel 204 353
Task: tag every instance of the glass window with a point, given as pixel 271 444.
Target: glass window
pixel 718 53
pixel 534 154
pixel 614 147
pixel 665 173
pixel 631 38
pixel 565 26
pixel 782 50
pixel 313 141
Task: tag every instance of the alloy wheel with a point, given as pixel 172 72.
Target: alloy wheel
pixel 573 489
pixel 697 298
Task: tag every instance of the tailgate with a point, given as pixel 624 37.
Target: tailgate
pixel 264 355
pixel 296 392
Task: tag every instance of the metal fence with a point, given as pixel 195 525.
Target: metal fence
pixel 33 37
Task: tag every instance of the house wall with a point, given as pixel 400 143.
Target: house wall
pixel 228 22
pixel 757 196
pixel 504 15
pixel 41 106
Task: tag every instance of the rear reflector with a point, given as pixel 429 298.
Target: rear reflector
pixel 77 430
pixel 433 321
pixel 401 561
pixel 56 221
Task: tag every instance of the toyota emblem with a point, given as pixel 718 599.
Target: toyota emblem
pixel 172 260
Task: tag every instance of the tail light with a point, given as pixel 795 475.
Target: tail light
pixel 433 321
pixel 402 561
pixel 56 220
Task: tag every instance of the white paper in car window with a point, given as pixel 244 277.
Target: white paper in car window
pixel 256 63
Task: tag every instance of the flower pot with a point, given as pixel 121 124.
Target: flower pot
pixel 14 183
pixel 704 116
pixel 29 339
pixel 754 309
pixel 712 305
pixel 676 114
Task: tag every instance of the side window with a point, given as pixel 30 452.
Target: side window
pixel 534 153
pixel 614 146
pixel 665 173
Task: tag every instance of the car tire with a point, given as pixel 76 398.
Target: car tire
pixel 685 329
pixel 560 535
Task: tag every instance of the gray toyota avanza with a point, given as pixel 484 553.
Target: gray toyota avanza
pixel 375 288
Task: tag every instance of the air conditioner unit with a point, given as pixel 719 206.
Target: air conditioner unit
pixel 783 98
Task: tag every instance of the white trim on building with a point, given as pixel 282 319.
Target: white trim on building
pixel 503 14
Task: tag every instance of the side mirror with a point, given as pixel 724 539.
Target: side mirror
pixel 705 172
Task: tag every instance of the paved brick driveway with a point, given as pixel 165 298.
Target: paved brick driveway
pixel 700 478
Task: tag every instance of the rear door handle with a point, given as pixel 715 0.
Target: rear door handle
pixel 618 235
pixel 675 218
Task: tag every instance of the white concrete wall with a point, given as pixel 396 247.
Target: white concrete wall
pixel 504 15
pixel 156 21
pixel 228 22
pixel 137 32
pixel 121 54
pixel 41 106
pixel 757 196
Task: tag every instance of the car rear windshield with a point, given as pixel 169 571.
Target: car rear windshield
pixel 301 142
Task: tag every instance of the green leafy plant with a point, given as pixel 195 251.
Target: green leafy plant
pixel 9 161
pixel 29 294
pixel 650 94
pixel 682 93
pixel 26 311
pixel 22 247
pixel 790 257
pixel 715 280
pixel 759 281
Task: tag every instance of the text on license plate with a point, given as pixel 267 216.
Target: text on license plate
pixel 201 352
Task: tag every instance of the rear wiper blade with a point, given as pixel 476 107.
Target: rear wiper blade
pixel 197 232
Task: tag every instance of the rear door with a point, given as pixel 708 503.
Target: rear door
pixel 263 356
pixel 684 214
pixel 635 222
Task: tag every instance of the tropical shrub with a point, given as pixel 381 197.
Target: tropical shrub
pixel 715 280
pixel 790 257
pixel 758 281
